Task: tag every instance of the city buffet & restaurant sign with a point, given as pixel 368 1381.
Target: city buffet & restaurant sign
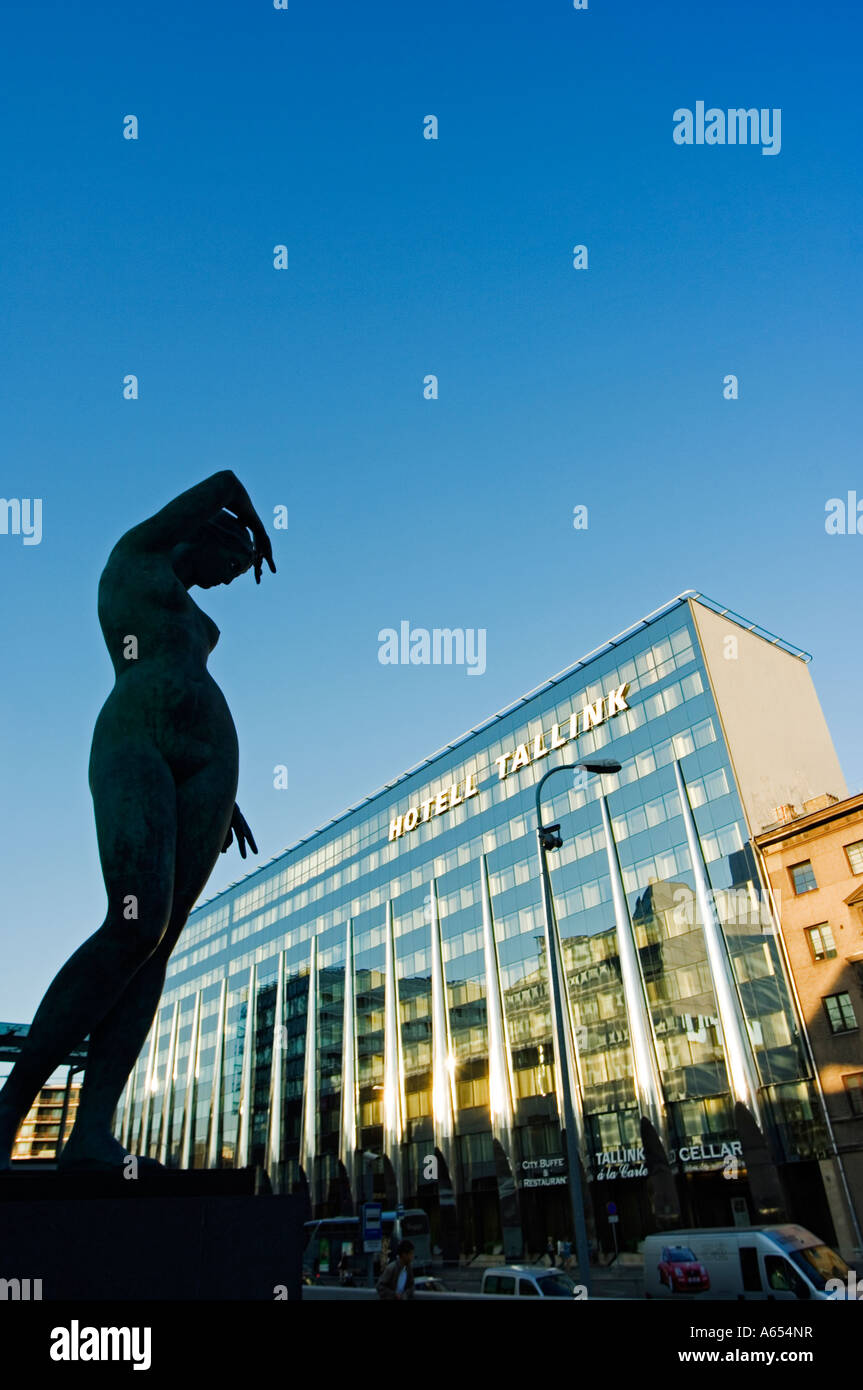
pixel 590 716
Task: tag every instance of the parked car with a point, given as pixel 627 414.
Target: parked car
pixel 680 1270
pixel 527 1281
pixel 429 1283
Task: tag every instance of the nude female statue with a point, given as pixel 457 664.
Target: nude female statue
pixel 163 774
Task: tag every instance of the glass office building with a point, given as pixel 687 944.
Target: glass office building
pixel 369 1013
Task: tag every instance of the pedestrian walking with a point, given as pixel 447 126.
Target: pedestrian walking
pixel 397 1280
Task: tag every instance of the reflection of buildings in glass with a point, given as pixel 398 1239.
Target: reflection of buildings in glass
pixel 664 691
pixel 682 1008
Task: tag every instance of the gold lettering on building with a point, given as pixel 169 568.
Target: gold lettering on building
pixel 539 748
pixel 446 800
pixel 589 716
pixel 521 759
pixel 592 715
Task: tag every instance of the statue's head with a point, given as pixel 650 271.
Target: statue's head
pixel 218 553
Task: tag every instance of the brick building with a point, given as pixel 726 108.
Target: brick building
pixel 813 856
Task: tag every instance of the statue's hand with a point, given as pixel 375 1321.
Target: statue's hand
pixel 263 550
pixel 244 835
pixel 241 504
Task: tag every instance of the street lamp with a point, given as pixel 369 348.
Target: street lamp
pixel 548 838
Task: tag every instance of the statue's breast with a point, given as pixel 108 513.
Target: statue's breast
pixel 212 631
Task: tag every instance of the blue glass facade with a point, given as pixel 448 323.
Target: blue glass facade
pixel 419 847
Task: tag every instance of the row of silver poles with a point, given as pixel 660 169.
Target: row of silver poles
pixel 647 1076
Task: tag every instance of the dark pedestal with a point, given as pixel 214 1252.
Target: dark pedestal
pixel 175 1236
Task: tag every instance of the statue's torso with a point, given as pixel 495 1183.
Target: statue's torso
pixel 159 641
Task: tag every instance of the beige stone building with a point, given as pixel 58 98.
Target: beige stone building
pixel 813 856
pixel 39 1134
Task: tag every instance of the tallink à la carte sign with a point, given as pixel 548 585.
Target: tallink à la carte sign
pixel 630 1163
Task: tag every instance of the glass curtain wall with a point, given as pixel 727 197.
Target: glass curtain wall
pixel 353 869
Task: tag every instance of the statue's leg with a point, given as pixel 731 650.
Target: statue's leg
pixel 204 806
pixel 135 798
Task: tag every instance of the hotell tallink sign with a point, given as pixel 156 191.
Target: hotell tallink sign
pixel 589 716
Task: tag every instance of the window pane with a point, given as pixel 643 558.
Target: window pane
pixel 803 877
pixel 854 1090
pixel 855 856
pixel 821 942
pixel 840 1012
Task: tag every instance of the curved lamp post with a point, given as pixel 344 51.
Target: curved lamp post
pixel 548 838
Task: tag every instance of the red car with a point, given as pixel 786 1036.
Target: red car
pixel 681 1271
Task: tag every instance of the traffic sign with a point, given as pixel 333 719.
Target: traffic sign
pixel 373 1231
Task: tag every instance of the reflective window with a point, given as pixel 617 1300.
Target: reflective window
pixel 557 1285
pixel 821 942
pixel 855 856
pixel 803 877
pixel 840 1013
pixel 819 1263
pixel 854 1091
pixel 781 1278
pixel 500 1283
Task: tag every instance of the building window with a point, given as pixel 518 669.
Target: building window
pixel 855 856
pixel 840 1013
pixel 854 1087
pixel 821 942
pixel 803 878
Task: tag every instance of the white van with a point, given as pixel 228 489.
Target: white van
pixel 743 1262
pixel 530 1281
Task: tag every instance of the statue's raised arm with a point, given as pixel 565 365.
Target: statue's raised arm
pixel 182 519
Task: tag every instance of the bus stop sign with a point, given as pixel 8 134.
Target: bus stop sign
pixel 373 1231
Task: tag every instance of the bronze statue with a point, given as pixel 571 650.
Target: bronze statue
pixel 163 774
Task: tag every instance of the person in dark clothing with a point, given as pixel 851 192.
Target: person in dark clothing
pixel 397 1280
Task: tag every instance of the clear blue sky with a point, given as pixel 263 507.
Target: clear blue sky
pixel 409 257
